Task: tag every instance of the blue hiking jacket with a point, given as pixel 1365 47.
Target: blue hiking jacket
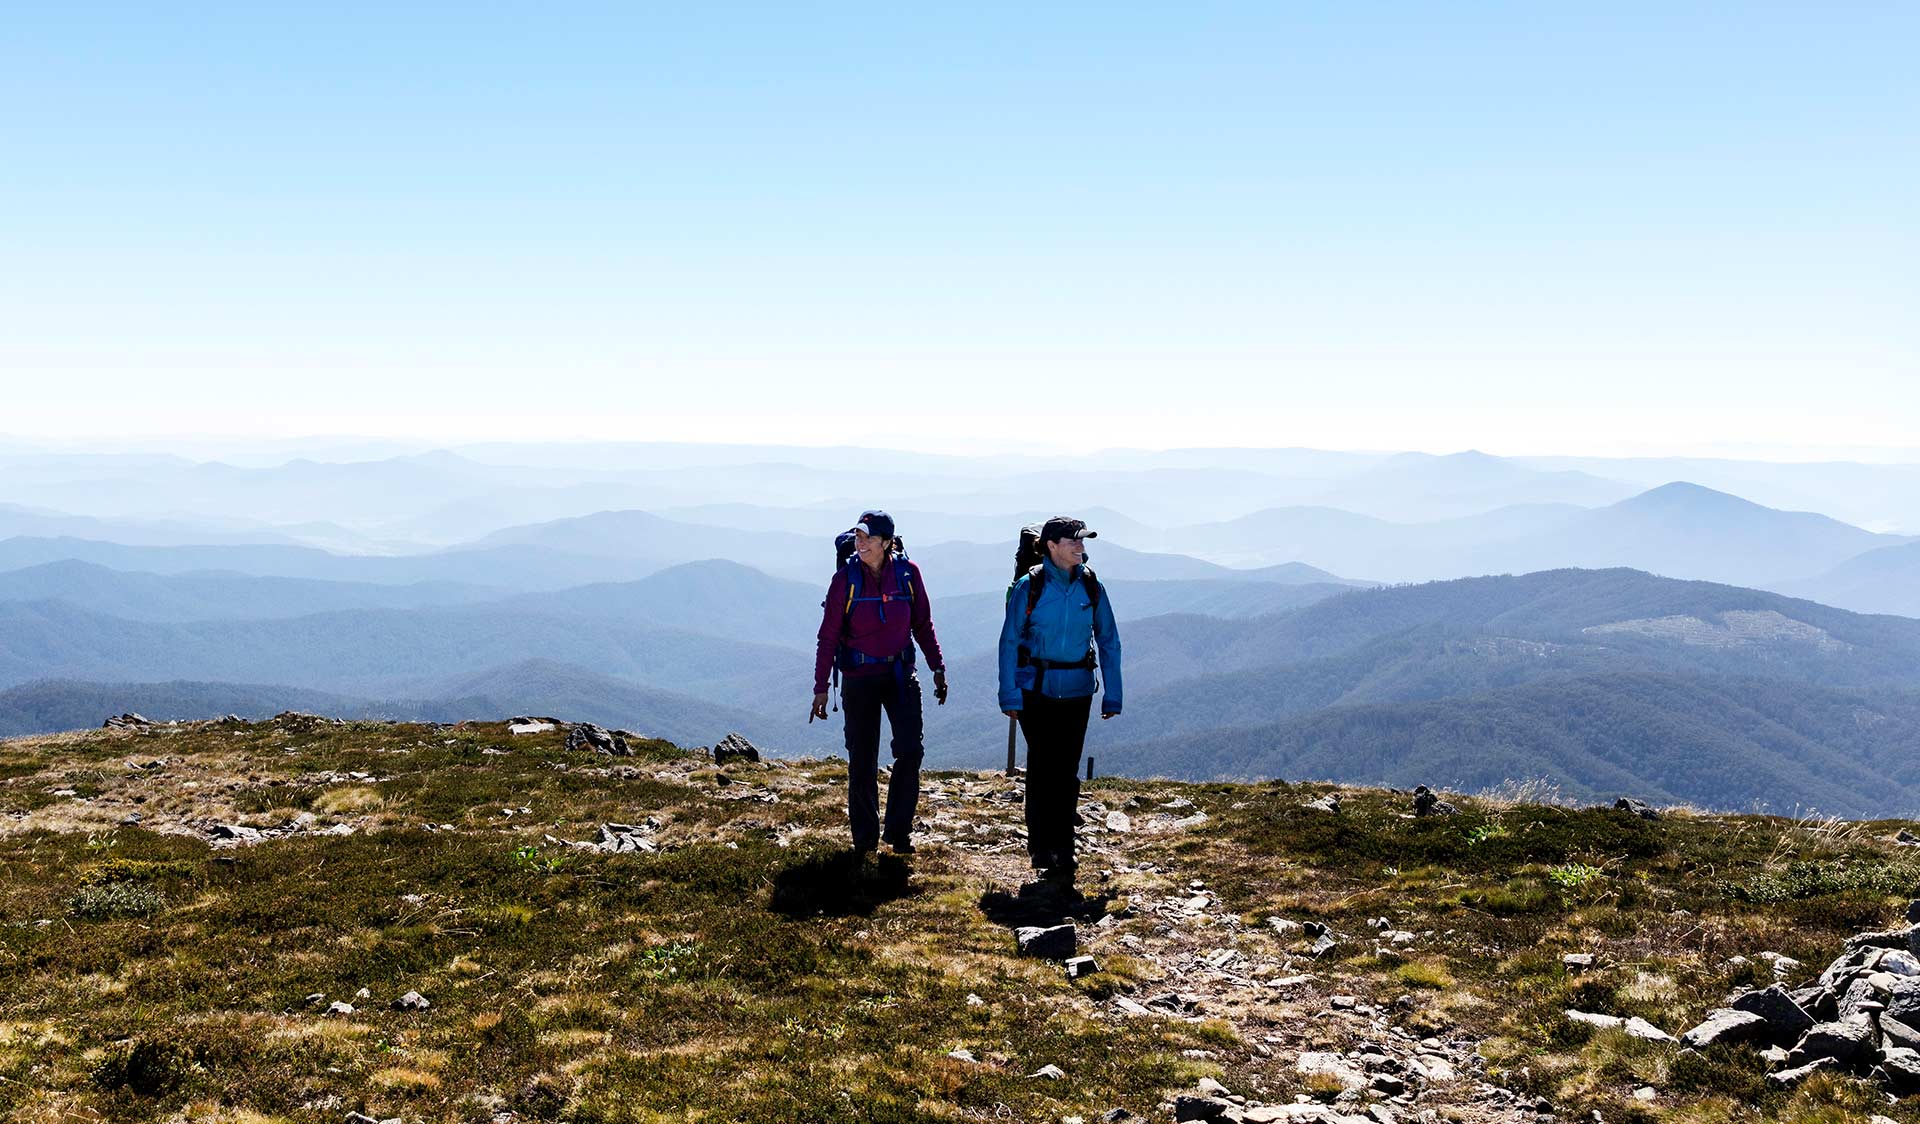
pixel 1063 621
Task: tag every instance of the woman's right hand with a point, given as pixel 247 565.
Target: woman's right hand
pixel 1011 713
pixel 819 707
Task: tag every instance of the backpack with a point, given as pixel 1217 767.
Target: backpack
pixel 1029 561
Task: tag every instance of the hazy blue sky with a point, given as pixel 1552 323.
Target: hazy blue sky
pixel 1528 228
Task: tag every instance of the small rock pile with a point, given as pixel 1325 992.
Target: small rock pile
pixel 127 721
pixel 1861 1016
pixel 585 737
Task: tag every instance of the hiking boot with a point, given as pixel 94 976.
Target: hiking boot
pixel 901 846
pixel 862 850
pixel 1061 874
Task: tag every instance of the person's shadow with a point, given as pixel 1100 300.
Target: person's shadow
pixel 1045 904
pixel 840 883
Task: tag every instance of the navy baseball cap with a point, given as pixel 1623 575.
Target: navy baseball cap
pixel 877 523
pixel 1066 527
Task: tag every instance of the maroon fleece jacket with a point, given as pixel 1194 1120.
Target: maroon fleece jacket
pixel 864 631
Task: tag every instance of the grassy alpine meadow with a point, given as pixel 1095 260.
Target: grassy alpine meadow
pixel 226 921
pixel 152 975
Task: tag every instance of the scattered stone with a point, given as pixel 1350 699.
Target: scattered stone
pixel 1210 1088
pixel 1330 803
pixel 234 831
pixel 315 999
pixel 1646 1093
pixel 1786 1020
pixel 339 1008
pixel 128 721
pixel 1079 966
pixel 1321 1063
pixel 735 747
pixel 1058 942
pixel 1194 820
pixel 1323 944
pixel 1639 808
pixel 1426 802
pixel 1726 1025
pixel 587 737
pixel 963 1055
pixel 1189 1107
pixel 1900 1070
pixel 1578 961
pixel 411 1001
pixel 1893 1032
pixel 520 726
pixel 1848 1042
pixel 1788 1078
pixel 1050 1072
pixel 1906 838
pixel 1635 1027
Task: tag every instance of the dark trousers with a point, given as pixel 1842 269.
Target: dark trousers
pixel 862 698
pixel 1056 731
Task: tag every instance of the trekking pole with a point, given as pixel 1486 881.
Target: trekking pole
pixel 1013 729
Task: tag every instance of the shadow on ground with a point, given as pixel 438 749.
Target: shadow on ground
pixel 1043 903
pixel 839 884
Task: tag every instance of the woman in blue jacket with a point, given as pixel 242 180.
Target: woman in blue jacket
pixel 1048 677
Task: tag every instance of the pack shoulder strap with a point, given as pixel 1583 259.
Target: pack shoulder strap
pixel 1037 579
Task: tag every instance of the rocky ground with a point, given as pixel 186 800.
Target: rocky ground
pixel 310 920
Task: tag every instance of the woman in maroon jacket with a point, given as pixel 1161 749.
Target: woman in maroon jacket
pixel 876 609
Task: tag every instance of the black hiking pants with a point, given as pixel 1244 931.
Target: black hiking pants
pixel 862 698
pixel 1056 731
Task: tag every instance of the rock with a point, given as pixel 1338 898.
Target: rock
pixel 1387 1084
pixel 1320 1063
pixel 589 738
pixel 1058 942
pixel 1899 962
pixel 339 1008
pixel 1883 938
pixel 1330 803
pixel 1120 822
pixel 128 721
pixel 1050 1072
pixel 1079 966
pixel 315 999
pixel 1194 820
pixel 1639 808
pixel 1210 1088
pixel 1849 1042
pixel 1635 1027
pixel 1119 1116
pixel 1893 1032
pixel 1726 1025
pixel 1189 1107
pixel 1283 927
pixel 521 726
pixel 234 831
pixel 1788 1078
pixel 963 1055
pixel 734 747
pixel 1906 838
pixel 1903 1001
pixel 411 1001
pixel 1646 1093
pixel 1428 803
pixel 1578 961
pixel 1900 1070
pixel 1324 944
pixel 1782 965
pixel 1786 1020
pixel 1859 993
